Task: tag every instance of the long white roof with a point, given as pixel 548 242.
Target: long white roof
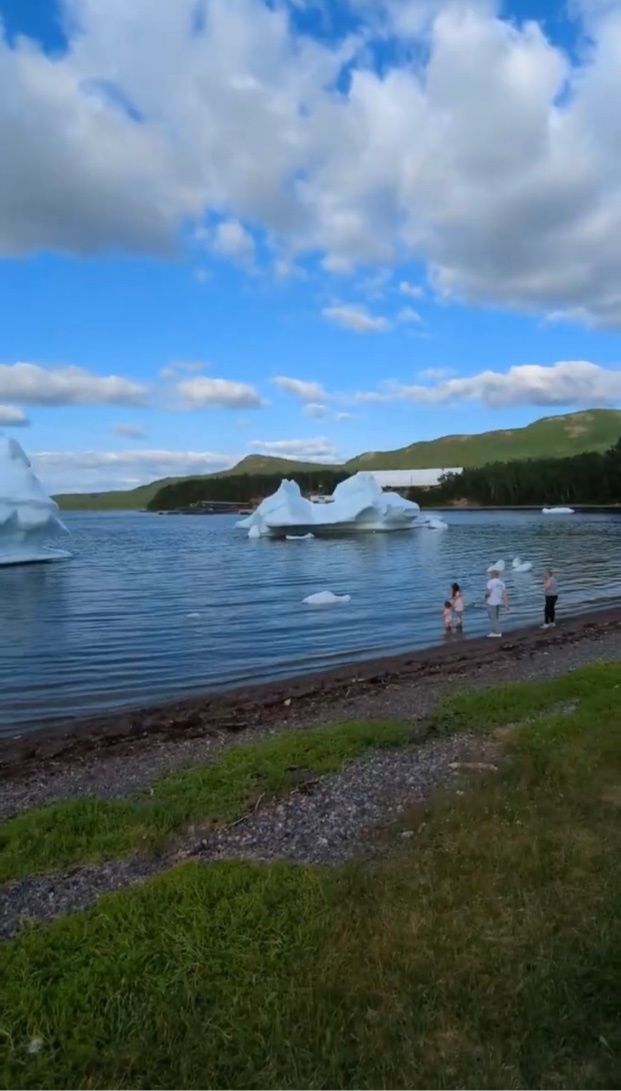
pixel 414 478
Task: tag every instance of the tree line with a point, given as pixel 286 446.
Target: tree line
pixel 239 489
pixel 591 478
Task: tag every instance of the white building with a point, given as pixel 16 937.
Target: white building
pixel 413 479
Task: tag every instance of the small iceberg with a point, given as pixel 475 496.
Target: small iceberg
pixel 29 518
pixel 520 566
pixel 357 505
pixel 558 511
pixel 298 537
pixel 326 598
pixel 433 522
pixel 499 566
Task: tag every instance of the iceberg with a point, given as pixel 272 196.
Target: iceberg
pixel 357 504
pixel 519 565
pixel 558 511
pixel 29 518
pixel 498 567
pixel 326 598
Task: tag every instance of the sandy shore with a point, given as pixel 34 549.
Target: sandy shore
pixel 121 753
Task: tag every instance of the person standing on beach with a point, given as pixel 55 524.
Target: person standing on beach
pixel 495 597
pixel 550 591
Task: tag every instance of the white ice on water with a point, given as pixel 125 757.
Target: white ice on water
pixel 326 598
pixel 499 566
pixel 29 518
pixel 519 565
pixel 558 511
pixel 358 504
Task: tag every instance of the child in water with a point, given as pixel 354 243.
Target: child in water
pixel 447 614
pixel 457 602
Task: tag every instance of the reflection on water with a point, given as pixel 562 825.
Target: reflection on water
pixel 114 625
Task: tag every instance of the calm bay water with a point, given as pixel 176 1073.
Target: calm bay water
pixel 112 627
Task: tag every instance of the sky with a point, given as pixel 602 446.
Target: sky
pixel 309 228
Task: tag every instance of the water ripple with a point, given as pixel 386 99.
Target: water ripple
pixel 115 627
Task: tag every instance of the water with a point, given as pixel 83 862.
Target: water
pixel 112 626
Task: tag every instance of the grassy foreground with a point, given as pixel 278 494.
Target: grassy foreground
pixel 484 953
pixel 92 830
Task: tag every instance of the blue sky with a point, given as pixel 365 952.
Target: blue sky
pixel 301 228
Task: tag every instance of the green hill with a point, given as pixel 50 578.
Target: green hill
pixel 268 464
pixel 550 437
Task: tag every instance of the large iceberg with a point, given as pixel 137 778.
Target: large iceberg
pixel 29 518
pixel 357 504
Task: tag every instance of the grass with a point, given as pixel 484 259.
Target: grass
pixel 92 830
pixel 483 953
pixel 550 437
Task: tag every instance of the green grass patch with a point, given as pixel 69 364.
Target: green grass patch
pixel 91 830
pixel 484 954
pixel 517 702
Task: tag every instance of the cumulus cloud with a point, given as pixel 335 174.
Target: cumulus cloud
pixel 232 240
pixel 202 393
pixel 490 156
pixel 315 409
pixel 414 291
pixel 305 390
pixel 12 417
pixel 31 384
pixel 130 431
pixel 356 319
pixel 576 383
pixel 87 471
pixel 408 315
pixel 306 450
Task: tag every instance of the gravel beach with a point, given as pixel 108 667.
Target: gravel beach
pixel 325 820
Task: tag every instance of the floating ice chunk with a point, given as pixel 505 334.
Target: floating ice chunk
pixel 433 522
pixel 499 566
pixel 558 511
pixel 29 518
pixel 298 537
pixel 358 504
pixel 255 531
pixel 326 598
pixel 520 566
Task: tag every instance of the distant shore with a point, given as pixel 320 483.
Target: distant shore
pixel 359 690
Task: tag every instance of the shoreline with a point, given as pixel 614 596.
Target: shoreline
pixel 347 691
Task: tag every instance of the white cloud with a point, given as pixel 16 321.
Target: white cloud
pixel 491 157
pixel 408 315
pixel 305 390
pixel 576 383
pixel 315 409
pixel 130 431
pixel 11 416
pixel 232 240
pixel 356 319
pixel 168 374
pixel 307 450
pixel 30 384
pixel 190 365
pixel 203 393
pixel 414 291
pixel 437 373
pixel 75 471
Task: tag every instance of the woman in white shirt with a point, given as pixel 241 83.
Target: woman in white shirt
pixel 495 597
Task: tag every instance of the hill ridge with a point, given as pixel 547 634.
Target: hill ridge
pixel 553 436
